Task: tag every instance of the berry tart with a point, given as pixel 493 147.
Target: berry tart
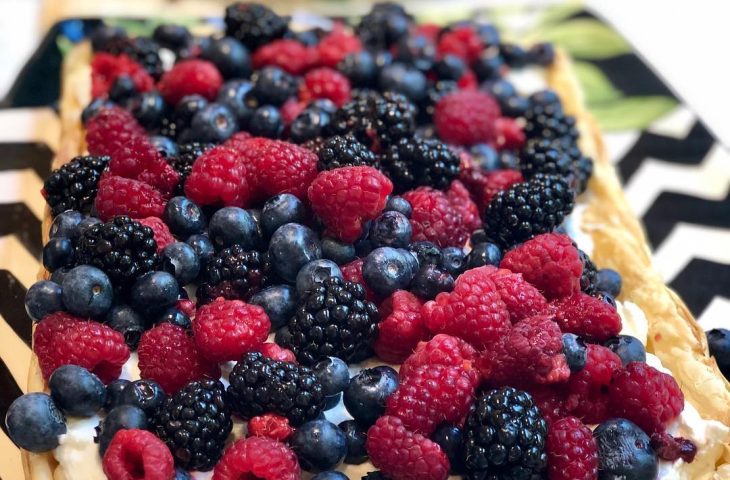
pixel 384 250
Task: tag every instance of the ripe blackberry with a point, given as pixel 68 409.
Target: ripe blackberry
pixel 528 208
pixel 121 247
pixel 194 423
pixel 74 185
pixel 588 277
pixel 183 162
pixel 254 24
pixel 339 151
pixel 261 385
pixel 235 274
pixel 550 122
pixel 414 162
pixel 142 50
pixel 544 156
pixel 504 437
pixel 385 24
pixel 333 319
pixel 169 128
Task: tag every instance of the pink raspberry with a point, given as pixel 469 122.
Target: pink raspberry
pixel 257 458
pixel 401 327
pixel 219 177
pixel 509 134
pixel 325 83
pixel 461 201
pixel 466 117
pixel 111 129
pixel 138 455
pixel 283 167
pixel 162 234
pixel 124 196
pixel 290 55
pixel 522 299
pixel 587 396
pixel 275 352
pixel 550 400
pixel 106 68
pixel 463 42
pixel 336 45
pixel 440 350
pixel 485 185
pixel 270 426
pixel 587 316
pixel 190 77
pixel 434 218
pixel 572 451
pixel 187 307
pixel 140 160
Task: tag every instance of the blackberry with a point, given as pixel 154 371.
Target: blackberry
pixel 544 156
pixel 254 24
pixel 340 151
pixel 550 122
pixel 333 319
pixel 74 185
pixel 385 24
pixel 528 208
pixel 581 166
pixel 376 475
pixel 588 277
pixel 142 50
pixel 169 128
pixel 123 248
pixel 261 385
pixel 414 162
pixel 234 273
pixel 183 162
pixel 194 423
pixel 504 437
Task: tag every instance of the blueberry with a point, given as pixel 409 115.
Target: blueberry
pixel 154 292
pixel 416 51
pixel 88 222
pixel 144 394
pixel 324 104
pixel 608 281
pixel 575 352
pixel 399 204
pixel 148 108
pixel 183 217
pixel 338 252
pixel 230 226
pixel 387 269
pixel 281 209
pixel 360 68
pixel 718 339
pixel 332 401
pixel 229 56
pixel 122 89
pixel 123 417
pixel 292 246
pixel 450 438
pixel 450 67
pixel 203 247
pixel 624 452
pixel 483 254
pixel 273 86
pixel 513 106
pixel 233 94
pixel 42 298
pixel 606 298
pixel 87 292
pixel 333 374
pixel 478 236
pixel 114 393
pixel 126 321
pixel 330 475
pixel 314 272
pixel 58 252
pixel 430 281
pixel 58 276
pixel 176 317
pixel 367 392
pixel 266 122
pixel 355 437
pixel 165 145
pixel 181 474
pixel 514 55
pixel 390 229
pixel 66 225
pixel 187 108
pixel 485 156
pixel 34 422
pixel 541 54
pixel 96 105
pixel 488 65
pixel 173 37
pixel 404 79
pixel 427 253
pixel 499 88
pixel 77 391
pixel 309 124
pixel 319 445
pixel 279 302
pixel 453 260
pixel 214 123
pixel 544 97
pixel 179 259
pixel 628 348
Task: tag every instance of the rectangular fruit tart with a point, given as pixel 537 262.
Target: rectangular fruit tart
pixel 384 250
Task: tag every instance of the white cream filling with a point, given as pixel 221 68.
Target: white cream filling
pixel 527 80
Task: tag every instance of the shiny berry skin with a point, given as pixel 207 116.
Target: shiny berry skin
pixel 215 123
pixel 339 252
pixel 154 292
pixel 76 391
pixel 628 348
pixel 355 437
pixel 572 451
pixel 319 445
pixel 360 68
pixel 624 451
pixel 34 422
pixel 390 229
pixel 190 77
pixel 146 395
pixel 279 303
pixel 134 451
pixel 450 438
pixel 58 253
pixel 234 95
pixel 367 392
pixel 229 56
pixel 180 260
pixel 608 281
pixel 388 269
pixel 575 352
pixel 291 247
pixel 281 209
pixel 66 224
pixel 148 108
pixel 718 340
pixel 122 417
pixel 266 122
pixel 183 217
pixel 257 457
pixel 126 321
pixel 430 280
pixel 42 298
pixel 87 292
pixel 404 79
pixel 333 375
pixel 272 86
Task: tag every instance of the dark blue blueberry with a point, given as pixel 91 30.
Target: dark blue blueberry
pixel 513 106
pixel 624 452
pixel 170 36
pixel 309 124
pixel 544 97
pixel 485 156
pixel 230 226
pixel 541 54
pixel 453 260
pixel 229 56
pixel 390 229
pixel 404 79
pixel 483 254
pixel 333 374
pixel 149 109
pixel 58 253
pixel 575 352
pixel 499 88
pixel 203 247
pixel 183 217
pixel 186 109
pixel 145 394
pixel 176 317
pixel 154 292
pixel 123 417
pixel 427 253
pixel 77 391
pixel 114 393
pixel 417 51
pixel 214 124
pixel 102 35
pixel 355 436
pixel 179 259
pixel 88 222
pixel 319 445
pixel 42 298
pixel 122 89
pixel 66 225
pixel 360 68
pixel 87 292
pixel 396 203
pixel 330 475
pixel 430 281
pixel 332 401
pixel 165 145
pixel 338 252
pixel 279 302
pixel 58 275
pixel 281 209
pixel 363 247
pixel 96 105
pixel 450 67
pixel 266 122
pixel 316 271
pixel 34 422
pixel 488 65
pixel 233 94
pixel 367 392
pixel 450 438
pixel 606 298
pixel 388 269
pixel 718 339
pixel 324 104
pixel 608 281
pixel 628 348
pixel 181 474
pixel 478 236
pixel 291 247
pixel 126 321
pixel 273 86
pixel 309 38
pixel 514 55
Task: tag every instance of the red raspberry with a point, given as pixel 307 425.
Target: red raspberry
pixel 429 30
pixel 550 262
pixel 167 355
pixel 485 185
pixel 226 329
pixel 62 339
pixel 463 42
pixel 283 167
pixel 401 327
pixel 138 455
pixel 275 352
pixel 237 139
pixel 336 45
pixel 435 219
pixel 190 77
pixel 550 400
pixel 140 160
pixel 257 457
pixel 572 451
pixel 532 352
pixel 291 110
pixel 468 81
pixel 440 350
pixel 646 396
pixel 461 201
pixel 289 55
pixel 672 448
pixel 587 316
pixel 162 234
pixel 111 129
pixel 270 426
pixel 352 272
pixel 509 134
pixel 404 455
pixel 249 151
pixel 433 394
pixel 345 198
pixel 187 307
pixel 466 117
pixel 106 68
pixel 587 396
pixel 522 299
pixel 472 311
pixel 124 196
pixel 218 177
pixel 325 83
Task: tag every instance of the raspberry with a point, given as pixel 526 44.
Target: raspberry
pixel 522 299
pixel 325 83
pixel 672 448
pixel 190 77
pixel 291 110
pixel 283 167
pixel 139 159
pixel 572 451
pixel 257 457
pixel 461 201
pixel 473 311
pixel 106 68
pixel 550 262
pixel 401 327
pixel 124 196
pixel 646 396
pixel 289 55
pixel 587 396
pixel 238 140
pixel 550 400
pixel 432 394
pixel 466 117
pixel 187 307
pixel 489 184
pixel 352 272
pixel 270 426
pixel 402 454
pixel 463 42
pixel 440 350
pixel 587 316
pixel 62 339
pixel 468 81
pixel 138 455
pixel 167 355
pixel 434 218
pixel 509 134
pixel 336 45
pixel 219 178
pixel 226 329
pixel 275 352
pixel 347 197
pixel 111 129
pixel 162 234
pixel 531 352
